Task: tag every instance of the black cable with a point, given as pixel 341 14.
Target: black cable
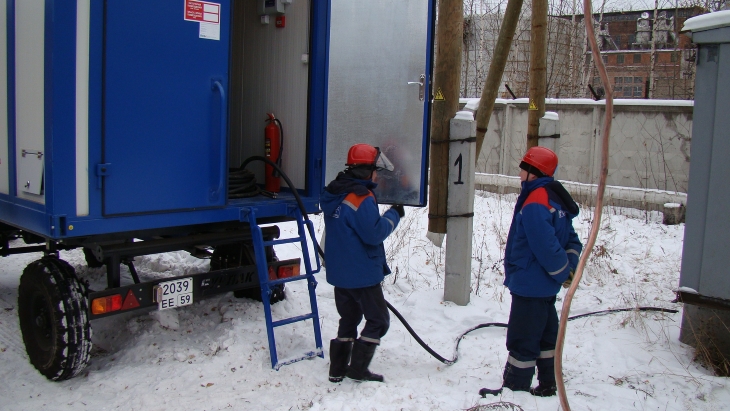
pixel 294 191
pixel 503 325
pixel 397 314
pixel 281 149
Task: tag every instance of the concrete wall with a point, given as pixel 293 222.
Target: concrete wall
pixel 649 142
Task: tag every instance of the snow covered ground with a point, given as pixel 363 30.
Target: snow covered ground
pixel 214 356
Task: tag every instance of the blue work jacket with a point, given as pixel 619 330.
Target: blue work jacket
pixel 542 246
pixel 354 233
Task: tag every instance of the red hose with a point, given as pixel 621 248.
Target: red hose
pixel 596 224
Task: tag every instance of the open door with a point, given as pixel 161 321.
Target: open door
pixel 379 90
pixel 165 80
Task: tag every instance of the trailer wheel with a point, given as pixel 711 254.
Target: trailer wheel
pixel 236 255
pixel 53 314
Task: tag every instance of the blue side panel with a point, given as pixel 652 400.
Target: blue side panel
pixel 60 110
pixel 318 75
pixel 11 98
pixel 164 114
pixel 427 107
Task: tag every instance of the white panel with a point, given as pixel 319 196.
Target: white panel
pixel 4 172
pixel 83 16
pixel 29 81
pixel 275 80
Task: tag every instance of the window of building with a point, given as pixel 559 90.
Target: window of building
pixel 627 91
pixel 605 59
pixel 637 58
pixel 619 59
pixel 618 80
pixel 617 41
pixel 637 91
pixel 628 79
pixel 638 80
pixel 617 89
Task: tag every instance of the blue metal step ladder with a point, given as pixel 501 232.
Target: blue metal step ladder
pixel 261 264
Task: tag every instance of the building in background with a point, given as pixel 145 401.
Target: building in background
pixel 645 57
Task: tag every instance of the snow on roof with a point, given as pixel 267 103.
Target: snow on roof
pixel 707 21
pixel 551 115
pixel 473 103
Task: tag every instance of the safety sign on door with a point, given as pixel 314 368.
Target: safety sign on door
pixel 208 15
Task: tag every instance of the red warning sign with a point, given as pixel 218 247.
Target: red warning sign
pixel 202 11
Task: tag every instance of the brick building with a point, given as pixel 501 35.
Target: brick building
pixel 626 40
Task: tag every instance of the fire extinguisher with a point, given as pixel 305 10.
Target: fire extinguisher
pixel 274 147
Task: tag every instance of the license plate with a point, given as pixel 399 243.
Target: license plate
pixel 175 293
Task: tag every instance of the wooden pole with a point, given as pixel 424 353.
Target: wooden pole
pixel 447 76
pixel 538 72
pixel 496 70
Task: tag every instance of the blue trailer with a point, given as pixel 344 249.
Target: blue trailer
pixel 128 129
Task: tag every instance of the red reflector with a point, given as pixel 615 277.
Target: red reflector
pixel 106 304
pixel 286 271
pixel 272 274
pixel 130 301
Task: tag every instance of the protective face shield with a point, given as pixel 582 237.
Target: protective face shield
pixel 382 162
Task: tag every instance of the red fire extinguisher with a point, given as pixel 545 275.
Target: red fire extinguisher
pixel 274 147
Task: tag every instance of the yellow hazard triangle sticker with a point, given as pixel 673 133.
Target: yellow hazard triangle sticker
pixel 532 106
pixel 439 96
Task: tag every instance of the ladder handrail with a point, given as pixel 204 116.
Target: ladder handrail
pixel 262 269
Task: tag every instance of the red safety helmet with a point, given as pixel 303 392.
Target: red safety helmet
pixel 365 154
pixel 543 159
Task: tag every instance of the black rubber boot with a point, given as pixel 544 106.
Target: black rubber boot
pixel 339 358
pixel 545 378
pixel 544 390
pixel 362 354
pixel 517 379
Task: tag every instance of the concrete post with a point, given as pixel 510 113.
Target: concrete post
pixel 462 154
pixel 673 213
pixel 549 133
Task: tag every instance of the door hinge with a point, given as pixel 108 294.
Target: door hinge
pixel 102 170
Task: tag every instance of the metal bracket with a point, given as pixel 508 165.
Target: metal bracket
pixel 38 154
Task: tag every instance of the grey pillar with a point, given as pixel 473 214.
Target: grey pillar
pixel 457 285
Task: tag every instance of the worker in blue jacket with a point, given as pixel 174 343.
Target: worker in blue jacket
pixel 355 258
pixel 542 253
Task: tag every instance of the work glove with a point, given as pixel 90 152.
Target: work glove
pixel 398 209
pixel 569 281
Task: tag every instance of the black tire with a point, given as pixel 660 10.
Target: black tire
pixel 91 260
pixel 53 314
pixel 236 255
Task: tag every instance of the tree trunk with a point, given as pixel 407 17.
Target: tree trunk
pixel 538 65
pixel 447 71
pixel 496 70
pixel 652 67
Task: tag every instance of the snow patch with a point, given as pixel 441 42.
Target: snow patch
pixel 167 318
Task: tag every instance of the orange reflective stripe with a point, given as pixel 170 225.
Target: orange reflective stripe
pixel 355 200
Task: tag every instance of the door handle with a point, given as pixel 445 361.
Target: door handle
pixel 421 86
pixel 219 181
